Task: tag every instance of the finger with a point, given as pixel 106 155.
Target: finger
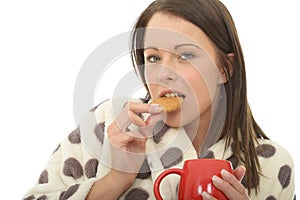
pixel 120 139
pixel 138 138
pixel 226 188
pixel 110 127
pixel 129 142
pixel 123 138
pixel 239 173
pixel 207 196
pixel 229 185
pixel 129 114
pixel 114 129
pixel 232 180
pixel 136 119
pixel 123 121
pixel 144 108
pixel 136 135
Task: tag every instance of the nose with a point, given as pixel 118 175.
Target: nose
pixel 167 74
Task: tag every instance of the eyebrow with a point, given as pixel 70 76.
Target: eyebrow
pixel 188 44
pixel 176 47
pixel 151 47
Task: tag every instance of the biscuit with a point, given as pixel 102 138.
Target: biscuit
pixel 169 104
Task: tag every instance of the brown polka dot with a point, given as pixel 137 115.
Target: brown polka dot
pixel 145 171
pixel 284 175
pixel 29 198
pixel 234 161
pixel 90 168
pixel 137 194
pixel 56 149
pixel 294 197
pixel 95 108
pixel 270 198
pixel 207 154
pixel 265 150
pixel 159 131
pixel 67 194
pixel 72 168
pixel 99 131
pixel 44 197
pixel 171 157
pixel 43 177
pixel 62 194
pixel 74 137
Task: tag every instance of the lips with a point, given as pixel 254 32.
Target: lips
pixel 171 93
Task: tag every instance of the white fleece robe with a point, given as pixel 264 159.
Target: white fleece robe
pixel 81 159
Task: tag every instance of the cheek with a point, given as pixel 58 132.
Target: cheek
pixel 153 89
pixel 205 81
pixel 151 71
pixel 151 80
pixel 204 88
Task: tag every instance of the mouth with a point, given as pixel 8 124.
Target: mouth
pixel 169 100
pixel 169 94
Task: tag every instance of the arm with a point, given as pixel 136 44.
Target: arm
pixel 107 189
pixel 72 171
pixel 127 150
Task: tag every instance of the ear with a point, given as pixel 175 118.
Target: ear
pixel 223 74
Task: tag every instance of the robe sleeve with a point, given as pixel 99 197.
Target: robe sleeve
pixel 73 167
pixel 278 173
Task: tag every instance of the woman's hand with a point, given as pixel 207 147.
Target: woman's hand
pixel 127 150
pixel 127 146
pixel 230 185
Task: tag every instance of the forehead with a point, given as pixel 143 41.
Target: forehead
pixel 166 31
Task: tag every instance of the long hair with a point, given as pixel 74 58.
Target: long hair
pixel 213 18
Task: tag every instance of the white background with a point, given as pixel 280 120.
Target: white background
pixel 43 45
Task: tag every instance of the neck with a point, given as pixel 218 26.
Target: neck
pixel 197 130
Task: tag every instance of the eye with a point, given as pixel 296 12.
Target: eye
pixel 153 58
pixel 186 56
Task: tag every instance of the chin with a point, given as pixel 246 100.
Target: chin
pixel 175 119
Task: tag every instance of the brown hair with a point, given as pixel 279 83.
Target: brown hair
pixel 212 17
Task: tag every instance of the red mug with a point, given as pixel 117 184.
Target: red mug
pixel 196 177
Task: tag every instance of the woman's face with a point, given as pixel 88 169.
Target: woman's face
pixel 179 58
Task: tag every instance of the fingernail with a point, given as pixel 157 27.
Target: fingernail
pixel 155 108
pixel 225 173
pixel 205 195
pixel 217 180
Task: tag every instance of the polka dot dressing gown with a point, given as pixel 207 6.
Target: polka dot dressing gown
pixel 80 160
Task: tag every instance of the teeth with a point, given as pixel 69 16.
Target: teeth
pixel 173 95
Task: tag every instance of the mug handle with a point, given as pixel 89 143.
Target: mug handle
pixel 161 177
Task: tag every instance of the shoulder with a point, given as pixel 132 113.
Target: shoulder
pixel 271 150
pixel 277 168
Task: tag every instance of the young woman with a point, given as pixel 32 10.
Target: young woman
pixel 188 49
